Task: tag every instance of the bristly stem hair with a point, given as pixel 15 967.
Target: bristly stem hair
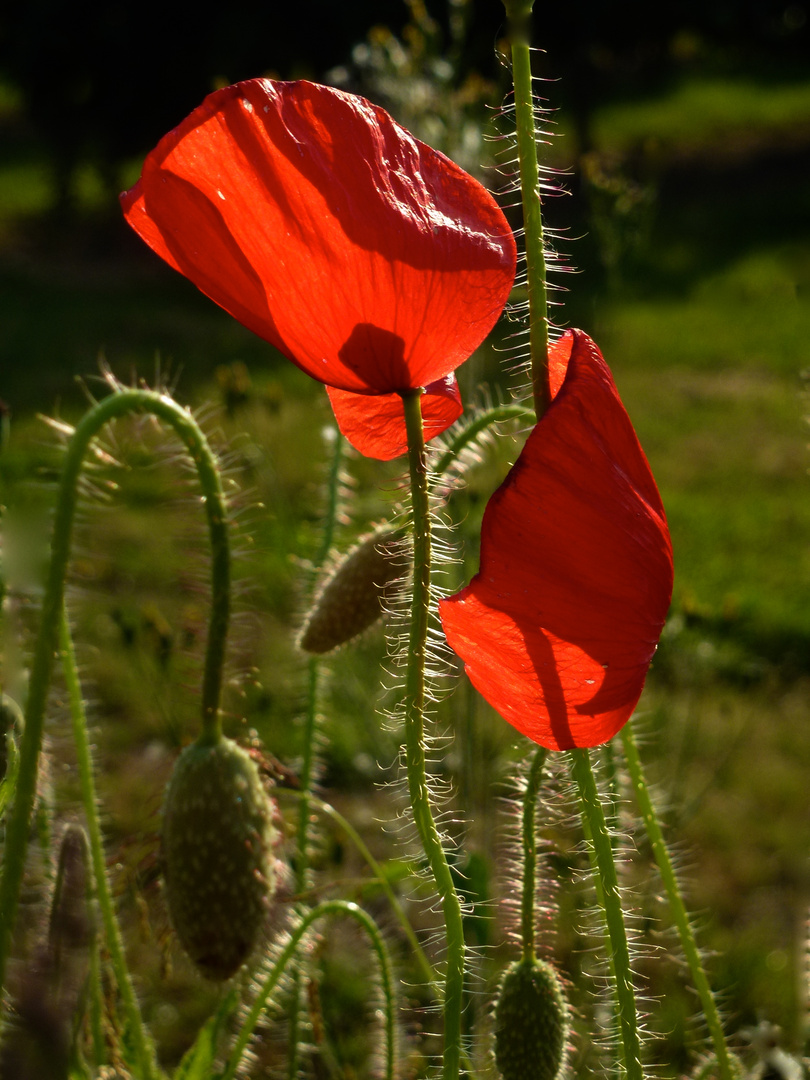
pixel 676 904
pixel 415 696
pixel 518 14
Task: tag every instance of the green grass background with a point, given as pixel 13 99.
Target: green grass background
pixel 696 253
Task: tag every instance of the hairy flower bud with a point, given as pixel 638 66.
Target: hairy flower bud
pixel 217 846
pixel 353 595
pixel 531 1022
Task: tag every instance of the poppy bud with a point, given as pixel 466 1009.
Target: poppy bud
pixel 11 725
pixel 531 1022
pixel 217 843
pixel 352 597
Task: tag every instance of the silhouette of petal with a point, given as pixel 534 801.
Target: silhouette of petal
pixel 370 260
pixel 558 628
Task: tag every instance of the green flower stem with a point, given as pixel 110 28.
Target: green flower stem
pixel 676 904
pixel 415 735
pixel 604 868
pixel 518 13
pixel 361 846
pixel 112 407
pixel 141 1042
pixel 310 740
pixel 330 907
pixel 530 852
pixel 497 414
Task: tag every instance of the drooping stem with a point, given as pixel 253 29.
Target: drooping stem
pixel 530 852
pixel 676 904
pixel 519 12
pixel 604 867
pixel 116 405
pixel 415 696
pixel 141 1042
pixel 329 907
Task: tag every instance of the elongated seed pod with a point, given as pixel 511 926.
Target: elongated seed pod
pixel 217 848
pixel 352 597
pixel 531 1022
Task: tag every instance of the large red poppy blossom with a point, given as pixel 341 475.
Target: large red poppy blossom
pixel 370 260
pixel 560 624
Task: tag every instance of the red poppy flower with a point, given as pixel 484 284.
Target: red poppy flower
pixel 371 261
pixel 560 624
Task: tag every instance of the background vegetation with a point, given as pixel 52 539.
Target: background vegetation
pixel 685 135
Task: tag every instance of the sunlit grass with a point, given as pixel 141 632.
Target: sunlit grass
pixel 716 115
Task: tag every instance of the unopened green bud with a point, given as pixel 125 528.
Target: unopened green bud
pixel 218 862
pixel 531 1022
pixel 353 596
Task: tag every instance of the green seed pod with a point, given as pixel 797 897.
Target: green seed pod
pixel 217 847
pixel 531 1022
pixel 352 597
pixel 11 726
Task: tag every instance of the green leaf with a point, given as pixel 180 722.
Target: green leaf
pixel 198 1061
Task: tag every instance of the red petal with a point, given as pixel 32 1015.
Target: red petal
pixel 370 260
pixel 375 425
pixel 558 627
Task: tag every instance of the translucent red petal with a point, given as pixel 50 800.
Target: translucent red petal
pixel 558 627
pixel 370 260
pixel 376 425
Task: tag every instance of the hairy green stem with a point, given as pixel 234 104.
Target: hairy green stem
pixel 604 867
pixel 379 875
pixel 116 405
pixel 495 415
pixel 518 13
pixel 329 907
pixel 530 852
pixel 415 695
pixel 141 1042
pixel 676 903
pixel 309 745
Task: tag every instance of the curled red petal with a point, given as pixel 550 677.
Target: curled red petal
pixel 370 260
pixel 558 627
pixel 375 425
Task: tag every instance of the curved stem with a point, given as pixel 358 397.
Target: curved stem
pixel 112 407
pixel 377 871
pixel 518 12
pixel 676 903
pixel 497 414
pixel 329 907
pixel 142 1043
pixel 604 867
pixel 530 852
pixel 415 735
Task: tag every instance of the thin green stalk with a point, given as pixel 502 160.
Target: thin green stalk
pixel 379 875
pixel 415 693
pixel 604 867
pixel 329 907
pixel 46 647
pixel 141 1042
pixel 496 415
pixel 309 744
pixel 530 852
pixel 676 903
pixel 518 13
